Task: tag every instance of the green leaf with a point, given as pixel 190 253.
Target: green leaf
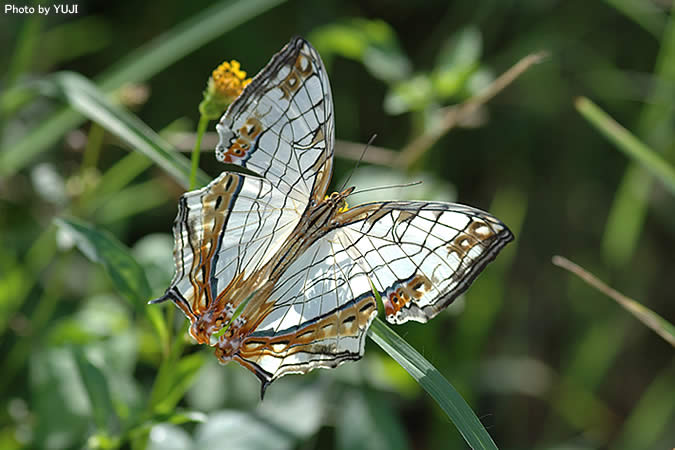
pixel 96 385
pixel 373 43
pixel 85 97
pixel 59 400
pixel 462 50
pixel 127 275
pixel 414 94
pixel 646 14
pixel 103 248
pixel 445 395
pixel 174 386
pixel 457 60
pixel 138 66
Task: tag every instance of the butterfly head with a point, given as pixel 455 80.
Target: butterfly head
pixel 338 200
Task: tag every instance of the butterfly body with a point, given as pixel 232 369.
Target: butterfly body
pixel 295 264
pixel 316 222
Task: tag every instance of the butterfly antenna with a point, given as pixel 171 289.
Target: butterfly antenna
pixel 391 186
pixel 363 153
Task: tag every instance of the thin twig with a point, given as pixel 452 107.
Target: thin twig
pixel 185 142
pixel 645 315
pixel 375 155
pixel 458 113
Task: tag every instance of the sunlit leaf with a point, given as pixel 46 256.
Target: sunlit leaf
pixel 126 274
pixel 450 401
pixel 85 97
pixel 413 94
pixel 373 43
pixel 458 59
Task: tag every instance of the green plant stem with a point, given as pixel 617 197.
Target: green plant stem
pixel 627 142
pixel 93 147
pixel 39 319
pixel 201 129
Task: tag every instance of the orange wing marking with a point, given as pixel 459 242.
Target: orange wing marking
pixel 399 295
pixel 238 150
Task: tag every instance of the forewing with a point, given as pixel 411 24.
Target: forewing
pixel 228 228
pixel 323 306
pixel 281 126
pixel 420 255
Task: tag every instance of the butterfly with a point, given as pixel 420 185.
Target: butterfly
pixel 279 276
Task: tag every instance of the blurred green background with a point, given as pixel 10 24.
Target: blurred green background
pixel 544 360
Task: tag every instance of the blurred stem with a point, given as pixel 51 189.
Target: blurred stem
pixel 170 314
pixel 162 383
pixel 627 142
pixel 39 320
pixel 649 318
pixel 93 147
pixel 457 113
pixel 39 255
pixel 201 128
pixel 113 180
pixel 23 54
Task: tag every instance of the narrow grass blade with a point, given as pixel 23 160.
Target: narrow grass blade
pixel 138 66
pixel 85 97
pixel 645 315
pixel 627 142
pixel 651 419
pixel 126 274
pixel 646 14
pixel 434 383
pixel 629 209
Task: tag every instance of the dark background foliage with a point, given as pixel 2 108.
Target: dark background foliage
pixel 544 360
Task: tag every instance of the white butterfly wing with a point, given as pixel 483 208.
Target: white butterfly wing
pixel 421 255
pixel 323 306
pixel 418 255
pixel 227 229
pixel 281 126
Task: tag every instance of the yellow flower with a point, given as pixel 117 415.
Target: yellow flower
pixel 226 83
pixel 229 79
